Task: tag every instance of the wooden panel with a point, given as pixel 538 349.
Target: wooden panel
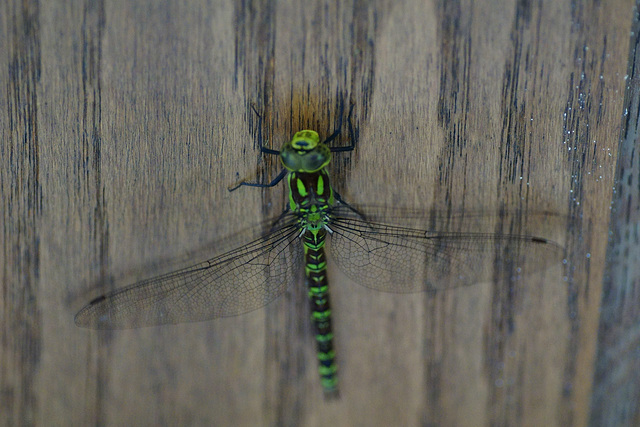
pixel 123 124
pixel 616 390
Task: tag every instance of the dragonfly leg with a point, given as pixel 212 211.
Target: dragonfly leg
pixel 335 133
pixel 273 183
pixel 263 149
pixel 339 198
pixel 339 129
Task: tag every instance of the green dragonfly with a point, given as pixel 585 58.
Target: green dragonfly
pixel 368 249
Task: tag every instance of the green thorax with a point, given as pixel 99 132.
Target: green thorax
pixel 310 193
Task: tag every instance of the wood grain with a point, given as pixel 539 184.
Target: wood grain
pixel 124 123
pixel 615 391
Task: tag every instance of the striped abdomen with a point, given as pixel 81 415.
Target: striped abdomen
pixel 316 273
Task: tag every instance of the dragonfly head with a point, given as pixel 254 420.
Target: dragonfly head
pixel 305 153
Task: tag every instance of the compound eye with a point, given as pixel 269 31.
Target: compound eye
pixel 314 161
pixel 290 159
pixel 304 153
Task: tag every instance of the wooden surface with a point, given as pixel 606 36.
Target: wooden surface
pixel 616 393
pixel 122 125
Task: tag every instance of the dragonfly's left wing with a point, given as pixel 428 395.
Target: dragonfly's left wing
pixel 233 283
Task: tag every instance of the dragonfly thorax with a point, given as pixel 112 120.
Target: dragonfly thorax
pixel 305 153
pixel 309 189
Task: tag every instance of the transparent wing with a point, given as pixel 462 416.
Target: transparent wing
pixel 400 259
pixel 236 282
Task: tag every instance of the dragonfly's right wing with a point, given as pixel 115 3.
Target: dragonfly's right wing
pixel 395 258
pixel 236 282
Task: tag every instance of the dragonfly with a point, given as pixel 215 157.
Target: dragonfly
pixel 373 250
